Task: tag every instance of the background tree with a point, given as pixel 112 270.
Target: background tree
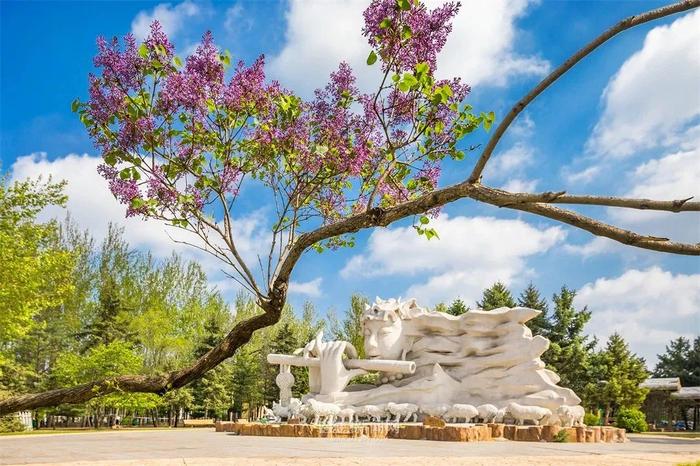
pixel 616 375
pixel 570 348
pixel 350 329
pixel 496 296
pixel 680 360
pixel 179 142
pixel 531 298
pixel 457 307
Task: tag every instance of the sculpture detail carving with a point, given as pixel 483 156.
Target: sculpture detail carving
pixel 446 365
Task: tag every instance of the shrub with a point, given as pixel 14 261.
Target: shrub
pixel 633 420
pixel 591 419
pixel 11 423
pixel 561 437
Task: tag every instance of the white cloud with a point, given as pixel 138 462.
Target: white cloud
pixel 582 177
pixel 673 176
pixel 594 247
pixel 512 160
pixel 647 307
pixel 311 288
pixel 480 49
pixel 519 185
pixel 92 207
pixel 470 255
pixel 654 95
pixel 171 18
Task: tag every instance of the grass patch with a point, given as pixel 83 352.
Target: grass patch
pixel 675 434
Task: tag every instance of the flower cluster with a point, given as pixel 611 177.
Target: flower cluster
pixel 407 33
pixel 180 137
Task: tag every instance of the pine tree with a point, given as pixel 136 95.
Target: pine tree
pixel 570 348
pixel 496 296
pixel 680 360
pixel 457 307
pixel 616 374
pixel 530 297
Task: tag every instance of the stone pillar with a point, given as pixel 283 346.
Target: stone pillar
pixel 285 381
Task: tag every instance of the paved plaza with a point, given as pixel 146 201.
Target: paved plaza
pixel 206 447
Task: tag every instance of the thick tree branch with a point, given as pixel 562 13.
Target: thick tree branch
pixel 560 197
pixel 623 25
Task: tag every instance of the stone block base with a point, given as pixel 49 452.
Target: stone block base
pixel 450 432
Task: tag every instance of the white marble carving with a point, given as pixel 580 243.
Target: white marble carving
pixel 407 410
pixel 571 415
pixel 487 412
pixel 433 360
pixel 527 413
pixel 324 411
pixel 460 411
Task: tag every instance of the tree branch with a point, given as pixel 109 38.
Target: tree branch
pixel 560 197
pixel 623 25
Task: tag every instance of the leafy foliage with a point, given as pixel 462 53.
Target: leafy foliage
pixel 496 296
pixel 457 308
pixel 35 272
pixel 632 420
pixel 681 360
pixel 530 297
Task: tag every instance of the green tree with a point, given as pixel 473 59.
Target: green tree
pixel 35 271
pixel 680 360
pixel 350 329
pixel 457 307
pixel 496 296
pixel 616 375
pixel 531 298
pixel 570 348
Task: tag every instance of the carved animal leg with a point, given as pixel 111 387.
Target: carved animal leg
pixel 316 418
pixel 398 418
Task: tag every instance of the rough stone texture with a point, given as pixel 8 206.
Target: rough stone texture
pixel 549 432
pixel 432 421
pixel 448 433
pixel 496 430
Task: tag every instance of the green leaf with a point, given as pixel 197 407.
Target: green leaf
pixel 125 174
pixel 405 5
pixel 143 51
pixel 110 158
pixel 431 233
pixel 424 220
pixel 406 33
pixel 372 58
pixel 386 22
pixel 75 105
pixel 178 61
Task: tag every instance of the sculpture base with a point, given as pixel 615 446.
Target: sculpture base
pixel 417 431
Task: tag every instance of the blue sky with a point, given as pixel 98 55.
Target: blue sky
pixel 626 121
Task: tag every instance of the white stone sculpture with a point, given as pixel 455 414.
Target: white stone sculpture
pixel 280 411
pixel 430 358
pixel 527 413
pixel 487 412
pixel 461 411
pixel 571 415
pixel 375 412
pixel 551 420
pixel 326 411
pixel 347 414
pixel 407 410
pixel 438 410
pixel 269 415
pixel 306 413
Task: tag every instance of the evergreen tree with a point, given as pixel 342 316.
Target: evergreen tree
pixel 350 329
pixel 531 298
pixel 496 296
pixel 680 360
pixel 616 373
pixel 440 307
pixel 457 307
pixel 570 348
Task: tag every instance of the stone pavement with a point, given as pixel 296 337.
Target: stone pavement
pixel 205 447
